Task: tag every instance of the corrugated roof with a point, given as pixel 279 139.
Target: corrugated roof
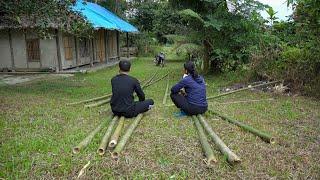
pixel 100 17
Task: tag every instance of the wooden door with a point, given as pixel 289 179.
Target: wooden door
pixel 101 48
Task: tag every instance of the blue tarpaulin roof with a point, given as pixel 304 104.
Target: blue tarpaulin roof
pixel 100 17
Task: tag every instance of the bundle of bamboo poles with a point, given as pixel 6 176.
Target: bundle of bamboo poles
pixel 231 157
pixel 201 123
pixel 121 144
pixel 86 141
pixel 110 138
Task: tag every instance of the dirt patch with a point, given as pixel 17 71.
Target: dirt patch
pixel 18 79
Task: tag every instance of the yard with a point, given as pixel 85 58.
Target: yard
pixel 38 132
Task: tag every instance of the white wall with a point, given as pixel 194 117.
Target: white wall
pixel 5 54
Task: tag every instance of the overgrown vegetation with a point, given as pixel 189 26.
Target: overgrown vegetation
pixel 224 38
pixel 44 16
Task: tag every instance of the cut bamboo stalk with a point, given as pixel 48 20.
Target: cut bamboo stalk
pixel 105 139
pixel 114 138
pixel 166 93
pixel 88 139
pixel 99 103
pixel 246 101
pixel 232 157
pixel 211 160
pixel 90 100
pixel 243 89
pixel 124 139
pixel 264 136
pixel 157 80
pixel 149 80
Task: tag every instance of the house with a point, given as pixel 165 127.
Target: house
pixel 22 50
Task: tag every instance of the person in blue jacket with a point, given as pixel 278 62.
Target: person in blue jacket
pixel 193 101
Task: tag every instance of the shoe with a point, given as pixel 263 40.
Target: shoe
pixel 180 114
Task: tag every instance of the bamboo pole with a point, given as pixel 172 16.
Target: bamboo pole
pixel 211 160
pixel 149 80
pixel 116 134
pixel 105 139
pixel 242 89
pixel 88 139
pixel 264 136
pixel 125 137
pixel 164 101
pixel 157 80
pixel 245 101
pixel 99 103
pixel 232 157
pixel 90 100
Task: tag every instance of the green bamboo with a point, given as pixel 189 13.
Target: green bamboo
pixel 166 93
pixel 232 157
pixel 264 136
pixel 99 103
pixel 116 134
pixel 90 100
pixel 149 80
pixel 242 89
pixel 124 139
pixel 157 80
pixel 204 142
pixel 88 139
pixel 105 139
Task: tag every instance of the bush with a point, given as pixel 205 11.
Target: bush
pixel 298 67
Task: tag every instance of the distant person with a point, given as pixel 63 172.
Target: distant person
pixel 122 100
pixel 192 100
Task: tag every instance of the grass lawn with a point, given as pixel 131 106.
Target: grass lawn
pixel 38 132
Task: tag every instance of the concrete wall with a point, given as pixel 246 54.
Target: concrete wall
pixel 19 49
pixel 5 59
pixel 48 53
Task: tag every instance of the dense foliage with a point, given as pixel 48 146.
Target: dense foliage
pixel 232 35
pixel 43 15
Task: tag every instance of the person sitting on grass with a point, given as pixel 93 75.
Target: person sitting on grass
pixel 122 100
pixel 192 100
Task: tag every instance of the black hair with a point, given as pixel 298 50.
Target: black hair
pixel 124 65
pixel 190 67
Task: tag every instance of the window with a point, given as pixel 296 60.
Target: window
pixel 84 48
pixel 68 48
pixel 33 50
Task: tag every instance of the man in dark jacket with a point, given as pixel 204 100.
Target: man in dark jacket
pixel 122 100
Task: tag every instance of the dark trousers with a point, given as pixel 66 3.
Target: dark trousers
pixel 138 107
pixel 190 109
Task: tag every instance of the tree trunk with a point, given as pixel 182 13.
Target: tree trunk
pixel 206 57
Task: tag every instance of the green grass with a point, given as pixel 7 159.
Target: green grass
pixel 38 132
